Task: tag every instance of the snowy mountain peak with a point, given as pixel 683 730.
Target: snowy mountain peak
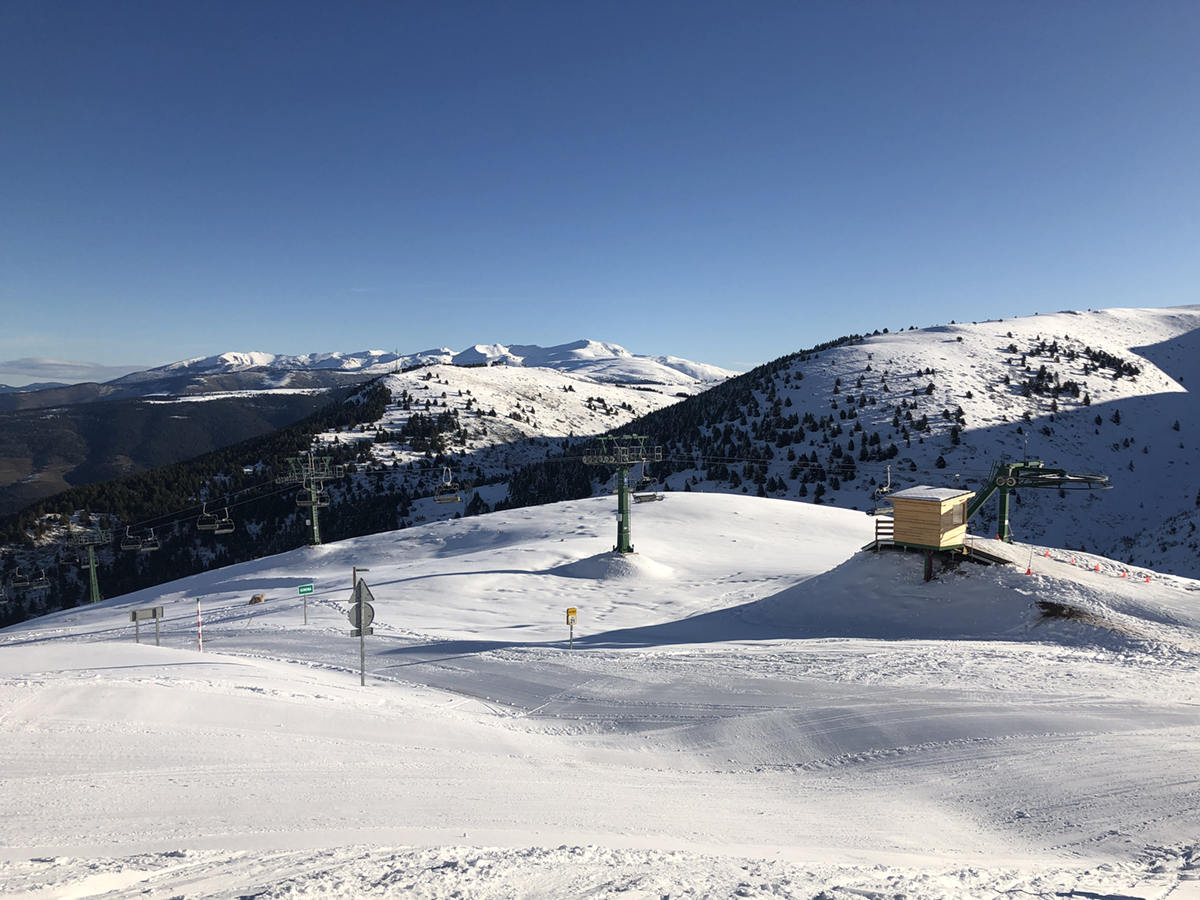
pixel 593 359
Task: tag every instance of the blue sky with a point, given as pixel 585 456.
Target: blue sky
pixel 726 182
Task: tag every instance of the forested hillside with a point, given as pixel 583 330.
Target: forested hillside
pixel 45 451
pixel 167 501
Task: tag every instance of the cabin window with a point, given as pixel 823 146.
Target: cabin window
pixel 954 516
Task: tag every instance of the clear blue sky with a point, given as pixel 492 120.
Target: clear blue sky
pixel 726 182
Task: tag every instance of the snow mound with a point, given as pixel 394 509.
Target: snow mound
pixel 884 596
pixel 616 567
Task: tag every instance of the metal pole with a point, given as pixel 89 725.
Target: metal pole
pixel 1002 526
pixel 306 609
pixel 316 529
pixel 156 643
pixel 95 584
pixel 137 631
pixel 624 545
pixel 199 629
pixel 362 639
pixel 571 645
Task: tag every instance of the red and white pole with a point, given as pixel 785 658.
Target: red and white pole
pixel 199 630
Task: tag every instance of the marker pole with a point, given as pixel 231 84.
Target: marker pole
pixel 199 629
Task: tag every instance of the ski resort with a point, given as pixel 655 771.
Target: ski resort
pixel 751 706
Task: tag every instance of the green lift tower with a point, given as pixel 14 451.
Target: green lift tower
pixel 88 539
pixel 623 451
pixel 1006 477
pixel 311 472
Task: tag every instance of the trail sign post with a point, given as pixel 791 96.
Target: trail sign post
pixel 136 616
pixel 571 611
pixel 305 590
pixel 361 615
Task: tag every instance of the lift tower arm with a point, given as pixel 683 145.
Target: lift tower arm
pixel 1006 477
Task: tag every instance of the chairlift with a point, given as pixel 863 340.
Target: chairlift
pixel 20 580
pixel 645 480
pixel 224 524
pixel 150 542
pixel 41 583
pixel 448 490
pixel 131 541
pixel 320 500
pixel 878 495
pixel 207 521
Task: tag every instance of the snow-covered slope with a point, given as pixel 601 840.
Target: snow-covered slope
pixel 503 416
pixel 599 361
pixel 1106 392
pixel 752 708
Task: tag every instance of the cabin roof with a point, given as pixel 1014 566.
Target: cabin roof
pixel 926 492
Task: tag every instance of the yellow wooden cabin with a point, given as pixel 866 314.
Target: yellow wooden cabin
pixel 930 518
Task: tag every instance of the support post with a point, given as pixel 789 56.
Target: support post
pixel 94 581
pixel 928 565
pixel 314 495
pixel 624 544
pixel 1003 528
pixel 362 631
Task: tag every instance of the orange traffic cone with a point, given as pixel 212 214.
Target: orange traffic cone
pixel 1124 574
pixel 1147 579
pixel 1097 567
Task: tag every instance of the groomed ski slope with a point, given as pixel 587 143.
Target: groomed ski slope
pixel 753 708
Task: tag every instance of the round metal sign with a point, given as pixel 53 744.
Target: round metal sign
pixel 368 615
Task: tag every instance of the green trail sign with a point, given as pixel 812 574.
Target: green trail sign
pixel 305 589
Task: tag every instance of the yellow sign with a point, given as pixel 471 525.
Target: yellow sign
pixel 571 616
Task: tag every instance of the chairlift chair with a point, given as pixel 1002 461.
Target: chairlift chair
pixel 150 542
pixel 306 500
pixel 645 480
pixel 41 583
pixel 131 542
pixel 207 521
pixel 224 524
pixel 20 580
pixel 448 490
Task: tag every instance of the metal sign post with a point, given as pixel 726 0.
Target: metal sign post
pixel 136 616
pixel 305 590
pixel 361 615
pixel 571 611
pixel 199 627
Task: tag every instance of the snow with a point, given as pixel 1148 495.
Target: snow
pixel 591 359
pixel 754 707
pixel 925 492
pixel 1150 515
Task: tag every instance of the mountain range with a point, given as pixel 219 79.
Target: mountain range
pixel 840 424
pixel 66 436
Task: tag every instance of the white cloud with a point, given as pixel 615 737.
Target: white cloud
pixel 36 369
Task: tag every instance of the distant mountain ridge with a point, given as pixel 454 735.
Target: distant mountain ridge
pixel 35 386
pixel 238 372
pixel 601 361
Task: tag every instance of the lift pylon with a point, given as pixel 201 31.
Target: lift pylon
pixel 311 472
pixel 1006 477
pixel 89 539
pixel 623 451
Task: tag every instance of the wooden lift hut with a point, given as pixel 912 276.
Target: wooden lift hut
pixel 926 518
pixel 930 518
